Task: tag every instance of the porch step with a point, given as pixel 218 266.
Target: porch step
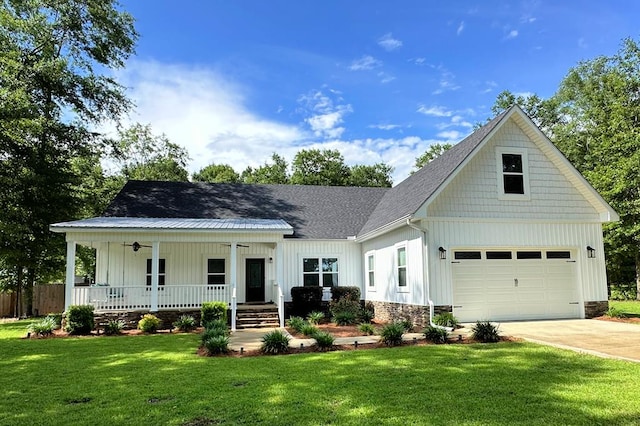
pixel 248 316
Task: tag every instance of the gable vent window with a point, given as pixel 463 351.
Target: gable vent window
pixel 513 177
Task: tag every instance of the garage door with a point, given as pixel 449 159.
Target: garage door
pixel 501 285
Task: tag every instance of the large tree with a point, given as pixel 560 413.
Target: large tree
pixel 434 151
pixel 319 167
pixel 378 174
pixel 54 88
pixel 275 173
pixel 217 173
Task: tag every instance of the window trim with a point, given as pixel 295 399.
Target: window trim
pixel 206 269
pixel 523 153
pixel 162 276
pixel 369 271
pixel 320 273
pixel 401 288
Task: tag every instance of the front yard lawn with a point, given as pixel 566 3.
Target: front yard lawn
pixel 158 379
pixel 630 308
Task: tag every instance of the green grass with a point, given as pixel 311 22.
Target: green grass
pixel 629 307
pixel 158 379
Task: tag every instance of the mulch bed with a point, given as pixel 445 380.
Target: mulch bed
pixel 630 320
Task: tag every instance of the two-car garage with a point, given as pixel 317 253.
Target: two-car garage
pixel 514 284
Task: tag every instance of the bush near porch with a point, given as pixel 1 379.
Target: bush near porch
pixel 159 379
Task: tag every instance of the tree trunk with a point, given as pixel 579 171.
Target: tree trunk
pixel 19 276
pixel 638 276
pixel 28 292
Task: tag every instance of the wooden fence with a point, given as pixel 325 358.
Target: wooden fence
pixel 47 298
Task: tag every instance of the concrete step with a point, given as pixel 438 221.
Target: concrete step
pixel 257 315
pixel 264 324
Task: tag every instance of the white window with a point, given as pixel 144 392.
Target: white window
pixel 216 272
pixel 371 276
pixel 320 271
pixel 401 266
pixel 162 272
pixel 513 174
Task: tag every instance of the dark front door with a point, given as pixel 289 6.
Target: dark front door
pixel 255 280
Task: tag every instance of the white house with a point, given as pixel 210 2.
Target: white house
pixel 500 227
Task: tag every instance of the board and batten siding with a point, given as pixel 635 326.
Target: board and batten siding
pixel 186 264
pixel 462 234
pixel 386 283
pixel 474 191
pixel 347 253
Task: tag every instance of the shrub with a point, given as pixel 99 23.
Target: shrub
pixel 306 299
pixel 309 330
pixel 217 327
pixel 367 328
pixel 56 318
pixel 623 291
pixel 216 345
pixel 185 323
pixel 344 311
pixel 296 323
pixel 436 334
pixel 446 319
pixel 485 332
pixel 345 318
pixel 324 340
pixel 345 292
pixel 614 312
pixel 44 327
pixel 114 327
pixel 275 342
pixel 315 317
pixel 212 311
pixel 149 323
pixel 391 334
pixel 407 324
pixel 366 315
pixel 80 319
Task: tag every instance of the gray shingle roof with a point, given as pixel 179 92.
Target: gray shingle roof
pixel 406 198
pixel 322 212
pixel 314 212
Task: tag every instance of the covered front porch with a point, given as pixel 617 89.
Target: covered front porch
pixel 146 264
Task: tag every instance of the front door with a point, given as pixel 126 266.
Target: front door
pixel 255 280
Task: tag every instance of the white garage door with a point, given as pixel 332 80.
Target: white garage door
pixel 501 285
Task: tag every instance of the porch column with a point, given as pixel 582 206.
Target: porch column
pixel 70 278
pixel 233 276
pixel 279 282
pixel 155 270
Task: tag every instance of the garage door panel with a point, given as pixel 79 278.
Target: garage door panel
pixel 486 289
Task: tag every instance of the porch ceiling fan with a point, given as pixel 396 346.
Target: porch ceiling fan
pixel 239 245
pixel 135 245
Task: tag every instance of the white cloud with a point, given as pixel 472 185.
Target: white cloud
pixel 365 63
pixel 434 111
pixel 325 113
pixel 385 78
pixel 460 28
pixel 205 113
pixel 511 34
pixel 385 126
pixel 489 87
pixel 450 135
pixel 388 43
pixel 418 61
pixel 447 81
pixel 582 44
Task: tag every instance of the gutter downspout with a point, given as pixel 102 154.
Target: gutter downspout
pixel 425 272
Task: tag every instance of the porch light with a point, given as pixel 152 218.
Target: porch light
pixel 591 252
pixel 442 252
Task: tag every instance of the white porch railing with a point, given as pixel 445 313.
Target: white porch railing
pixel 107 298
pixel 280 305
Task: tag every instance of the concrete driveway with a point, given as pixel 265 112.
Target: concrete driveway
pixel 602 338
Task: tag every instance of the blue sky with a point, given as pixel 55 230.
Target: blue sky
pixel 234 81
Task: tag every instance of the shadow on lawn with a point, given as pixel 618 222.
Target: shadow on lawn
pixel 160 380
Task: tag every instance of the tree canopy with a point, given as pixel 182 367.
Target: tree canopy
pixel 53 89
